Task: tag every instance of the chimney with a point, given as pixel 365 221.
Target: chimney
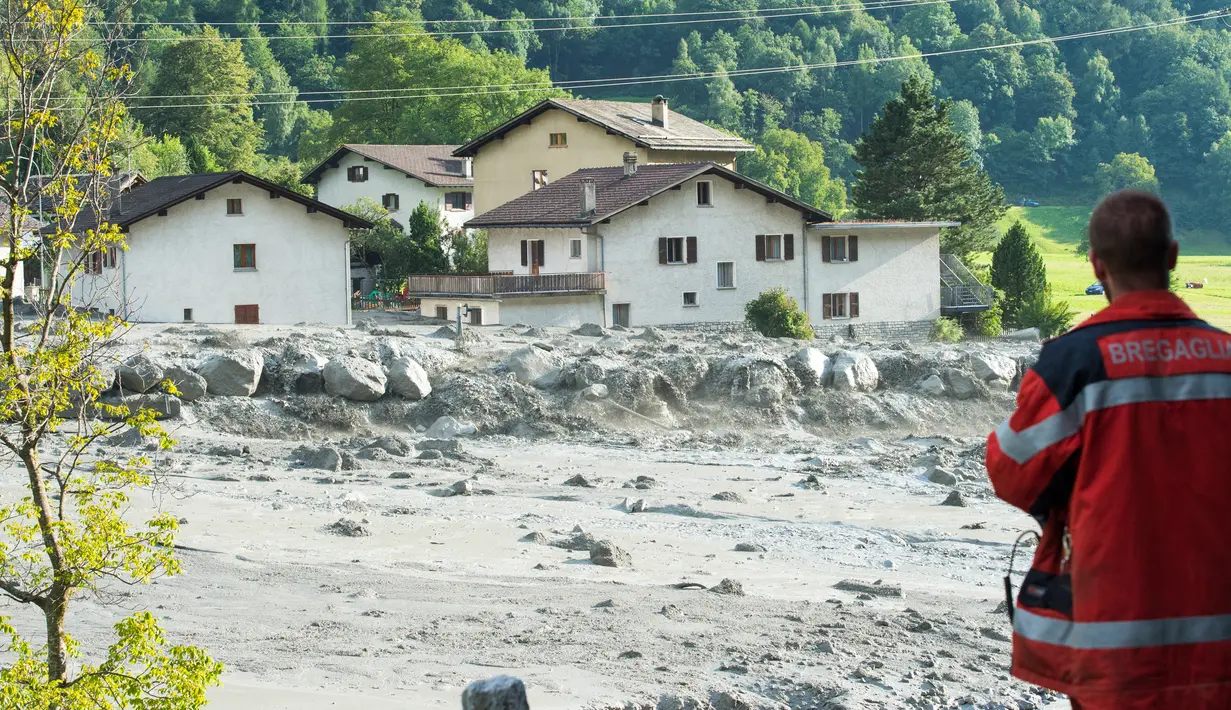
pixel 658 109
pixel 589 202
pixel 630 164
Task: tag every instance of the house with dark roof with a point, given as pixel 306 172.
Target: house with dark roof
pixel 692 243
pixel 398 177
pixel 558 137
pixel 221 248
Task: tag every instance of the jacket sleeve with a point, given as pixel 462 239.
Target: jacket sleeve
pixel 1032 457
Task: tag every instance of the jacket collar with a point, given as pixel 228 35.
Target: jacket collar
pixel 1143 305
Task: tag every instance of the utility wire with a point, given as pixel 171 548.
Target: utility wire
pixel 823 10
pixel 696 76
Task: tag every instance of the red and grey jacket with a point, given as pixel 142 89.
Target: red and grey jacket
pixel 1121 448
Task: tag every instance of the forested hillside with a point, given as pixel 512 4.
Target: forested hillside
pixel 1052 121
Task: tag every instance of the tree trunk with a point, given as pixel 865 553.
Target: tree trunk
pixel 57 650
pixel 56 608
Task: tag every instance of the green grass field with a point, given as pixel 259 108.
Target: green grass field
pixel 1057 231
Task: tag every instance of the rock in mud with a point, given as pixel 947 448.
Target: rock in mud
pixel 955 500
pixel 534 366
pixel 652 334
pixel 408 379
pixel 811 366
pixel 875 589
pixel 730 587
pixel 854 372
pixel 990 367
pixel 579 542
pixel 302 371
pixel 462 488
pixel 190 385
pixel 749 547
pixel 499 693
pixel 140 374
pixel 728 497
pixel 447 427
pixel 932 385
pixel 430 455
pixel 233 374
pixel 942 476
pixel 392 445
pixel 755 381
pixel 962 385
pixel 164 406
pixel 605 554
pixel 633 506
pixel 349 528
pixel 590 330
pixel 323 459
pixel 596 392
pixel 536 538
pixel 579 481
pixel 355 379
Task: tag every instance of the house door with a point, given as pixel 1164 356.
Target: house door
pixel 248 315
pixel 476 316
pixel 619 314
pixel 442 312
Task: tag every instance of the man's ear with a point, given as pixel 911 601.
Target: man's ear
pixel 1100 269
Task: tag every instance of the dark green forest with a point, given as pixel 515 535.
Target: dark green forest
pixel 273 86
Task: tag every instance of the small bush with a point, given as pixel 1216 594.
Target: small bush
pixel 946 330
pixel 1050 316
pixel 776 315
pixel 989 323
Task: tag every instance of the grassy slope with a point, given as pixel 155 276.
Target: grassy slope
pixel 1057 232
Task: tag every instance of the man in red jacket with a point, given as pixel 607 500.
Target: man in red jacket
pixel 1121 448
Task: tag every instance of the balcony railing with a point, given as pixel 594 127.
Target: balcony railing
pixel 495 285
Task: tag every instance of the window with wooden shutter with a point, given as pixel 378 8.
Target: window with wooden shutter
pixel 853 299
pixel 826 306
pixel 357 173
pixel 788 247
pixel 662 250
pixel 691 249
pixel 540 252
pixel 838 309
pixel 773 247
pixel 826 245
pixel 852 247
pixel 760 247
pixel 525 253
pixel 391 202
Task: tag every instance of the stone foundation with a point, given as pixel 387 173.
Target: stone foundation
pixel 892 330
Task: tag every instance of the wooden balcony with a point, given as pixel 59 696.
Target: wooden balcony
pixel 505 285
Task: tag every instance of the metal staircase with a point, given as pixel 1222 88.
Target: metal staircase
pixel 960 290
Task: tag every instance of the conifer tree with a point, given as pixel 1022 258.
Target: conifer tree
pixel 1018 271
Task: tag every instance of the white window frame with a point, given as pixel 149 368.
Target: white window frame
pixel 696 301
pixel 683 251
pixel 772 239
pixel 718 281
pixel 833 250
pixel 846 306
pixel 709 190
pixel 574 248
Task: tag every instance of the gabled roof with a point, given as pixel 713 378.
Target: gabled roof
pixel 433 164
pixel 633 121
pixel 163 193
pixel 559 203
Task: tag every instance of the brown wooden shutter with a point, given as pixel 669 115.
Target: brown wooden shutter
pixel 525 254
pixel 852 247
pixel 788 247
pixel 825 250
pixel 662 250
pixel 853 299
pixel 827 303
pixel 469 200
pixel 692 249
pixel 542 244
pixel 760 247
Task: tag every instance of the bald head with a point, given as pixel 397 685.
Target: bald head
pixel 1131 244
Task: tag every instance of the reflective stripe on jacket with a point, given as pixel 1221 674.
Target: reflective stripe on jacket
pixel 1121 448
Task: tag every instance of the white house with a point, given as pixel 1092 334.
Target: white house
pixel 398 177
pixel 222 248
pixel 688 243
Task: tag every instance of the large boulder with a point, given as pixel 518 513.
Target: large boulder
pixel 990 367
pixel 932 385
pixel 1028 334
pixel 302 371
pixel 756 381
pixel 447 427
pixel 233 374
pixel 810 365
pixel 590 330
pixel 408 379
pixel 164 406
pixel 534 366
pixel 962 385
pixel 190 385
pixel 140 374
pixel 355 379
pixel 854 371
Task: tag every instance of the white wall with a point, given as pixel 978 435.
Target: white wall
pixel 504 250
pixel 490 315
pixel 335 190
pixel 569 311
pixel 897 276
pixel 185 260
pixel 725 232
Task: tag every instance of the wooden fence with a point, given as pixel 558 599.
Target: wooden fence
pixel 505 284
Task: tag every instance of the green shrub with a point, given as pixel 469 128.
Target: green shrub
pixel 1050 316
pixel 776 315
pixel 989 323
pixel 946 330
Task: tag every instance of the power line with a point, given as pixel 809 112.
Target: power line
pixel 696 76
pixel 354 23
pixel 822 10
